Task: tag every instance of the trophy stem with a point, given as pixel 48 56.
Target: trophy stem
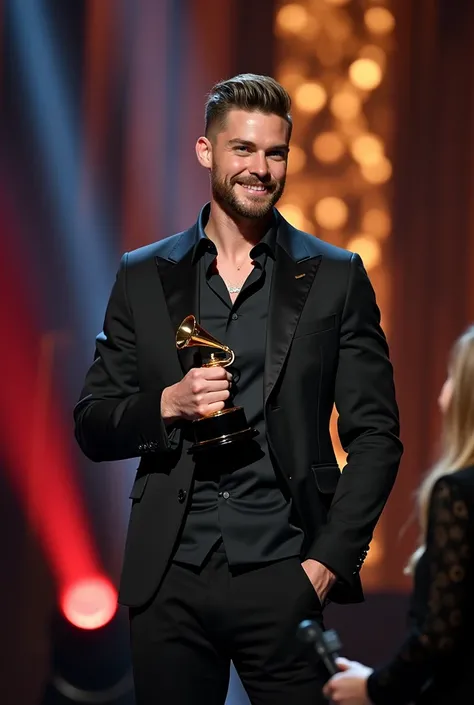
pixel 215 361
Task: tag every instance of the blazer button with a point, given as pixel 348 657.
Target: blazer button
pixel 181 496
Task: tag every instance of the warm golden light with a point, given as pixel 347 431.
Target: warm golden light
pixel 291 73
pixel 367 149
pixel 345 105
pixel 329 53
pixel 328 147
pixel 375 554
pixel 331 213
pixel 294 215
pixel 338 26
pixel 365 74
pixel 296 159
pixel 377 173
pixel 368 248
pixel 335 57
pixel 377 222
pixel 379 20
pixel 352 129
pixel 310 97
pixel 370 51
pixel 290 81
pixel 292 18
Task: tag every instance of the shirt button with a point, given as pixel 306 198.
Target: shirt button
pixel 234 316
pixel 226 495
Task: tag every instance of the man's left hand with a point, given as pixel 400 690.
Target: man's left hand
pixel 321 577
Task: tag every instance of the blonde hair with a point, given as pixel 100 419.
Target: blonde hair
pixel 457 449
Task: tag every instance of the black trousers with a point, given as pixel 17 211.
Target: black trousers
pixel 200 619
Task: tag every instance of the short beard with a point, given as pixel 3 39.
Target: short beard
pixel 224 194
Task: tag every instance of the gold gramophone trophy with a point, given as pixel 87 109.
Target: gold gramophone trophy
pixel 222 427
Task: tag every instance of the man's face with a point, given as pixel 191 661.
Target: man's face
pixel 249 159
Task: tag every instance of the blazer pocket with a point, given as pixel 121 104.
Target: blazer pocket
pixel 317 325
pixel 326 476
pixel 138 487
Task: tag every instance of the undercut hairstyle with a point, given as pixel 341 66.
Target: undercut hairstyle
pixel 247 91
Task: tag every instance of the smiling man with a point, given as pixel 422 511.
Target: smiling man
pixel 228 550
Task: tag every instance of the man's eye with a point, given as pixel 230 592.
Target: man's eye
pixel 242 148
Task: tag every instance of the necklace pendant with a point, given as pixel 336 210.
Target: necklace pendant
pixel 234 289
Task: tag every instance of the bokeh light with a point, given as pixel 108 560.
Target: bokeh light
pixel 90 603
pixel 377 173
pixel 377 222
pixel 329 53
pixel 368 248
pixel 296 159
pixel 310 97
pixel 292 18
pixel 367 149
pixel 291 73
pixel 342 87
pixel 293 214
pixel 329 147
pixel 365 74
pixel 345 105
pixel 331 213
pixel 375 53
pixel 379 20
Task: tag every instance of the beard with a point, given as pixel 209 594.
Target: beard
pixel 224 193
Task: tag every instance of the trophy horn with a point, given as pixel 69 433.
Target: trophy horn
pixel 190 333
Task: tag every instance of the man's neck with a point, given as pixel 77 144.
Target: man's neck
pixel 233 236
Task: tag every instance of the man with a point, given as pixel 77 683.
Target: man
pixel 228 550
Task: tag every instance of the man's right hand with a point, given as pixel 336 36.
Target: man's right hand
pixel 203 391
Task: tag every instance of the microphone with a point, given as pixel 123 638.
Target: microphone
pixel 325 643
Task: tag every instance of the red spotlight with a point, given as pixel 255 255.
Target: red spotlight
pixel 90 603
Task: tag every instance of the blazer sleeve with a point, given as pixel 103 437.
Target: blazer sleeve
pixel 368 428
pixel 449 557
pixel 114 420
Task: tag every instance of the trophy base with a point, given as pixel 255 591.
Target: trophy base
pixel 221 429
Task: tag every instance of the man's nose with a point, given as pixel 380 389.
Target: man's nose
pixel 259 164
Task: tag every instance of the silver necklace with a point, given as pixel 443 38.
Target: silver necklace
pixel 234 289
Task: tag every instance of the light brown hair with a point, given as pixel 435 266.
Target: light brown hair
pixel 247 91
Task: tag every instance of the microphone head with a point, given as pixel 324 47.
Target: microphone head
pixel 309 631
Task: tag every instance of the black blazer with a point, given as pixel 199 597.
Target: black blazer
pixel 434 665
pixel 324 345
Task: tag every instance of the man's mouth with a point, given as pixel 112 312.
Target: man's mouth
pixel 254 188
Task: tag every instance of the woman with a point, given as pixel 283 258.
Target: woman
pixel 435 665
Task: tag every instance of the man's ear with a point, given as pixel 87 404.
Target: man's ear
pixel 204 152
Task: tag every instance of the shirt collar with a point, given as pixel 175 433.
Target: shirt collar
pixel 267 244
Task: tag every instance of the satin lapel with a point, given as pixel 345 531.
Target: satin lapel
pixel 291 283
pixel 180 281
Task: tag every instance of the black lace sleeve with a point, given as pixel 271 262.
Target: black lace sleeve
pixel 449 563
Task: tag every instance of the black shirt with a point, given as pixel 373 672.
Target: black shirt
pixel 238 494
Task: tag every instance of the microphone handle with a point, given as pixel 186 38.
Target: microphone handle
pixel 329 661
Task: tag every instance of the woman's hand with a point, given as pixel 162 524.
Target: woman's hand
pixel 349 687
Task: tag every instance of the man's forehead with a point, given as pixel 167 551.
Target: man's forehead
pixel 254 124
